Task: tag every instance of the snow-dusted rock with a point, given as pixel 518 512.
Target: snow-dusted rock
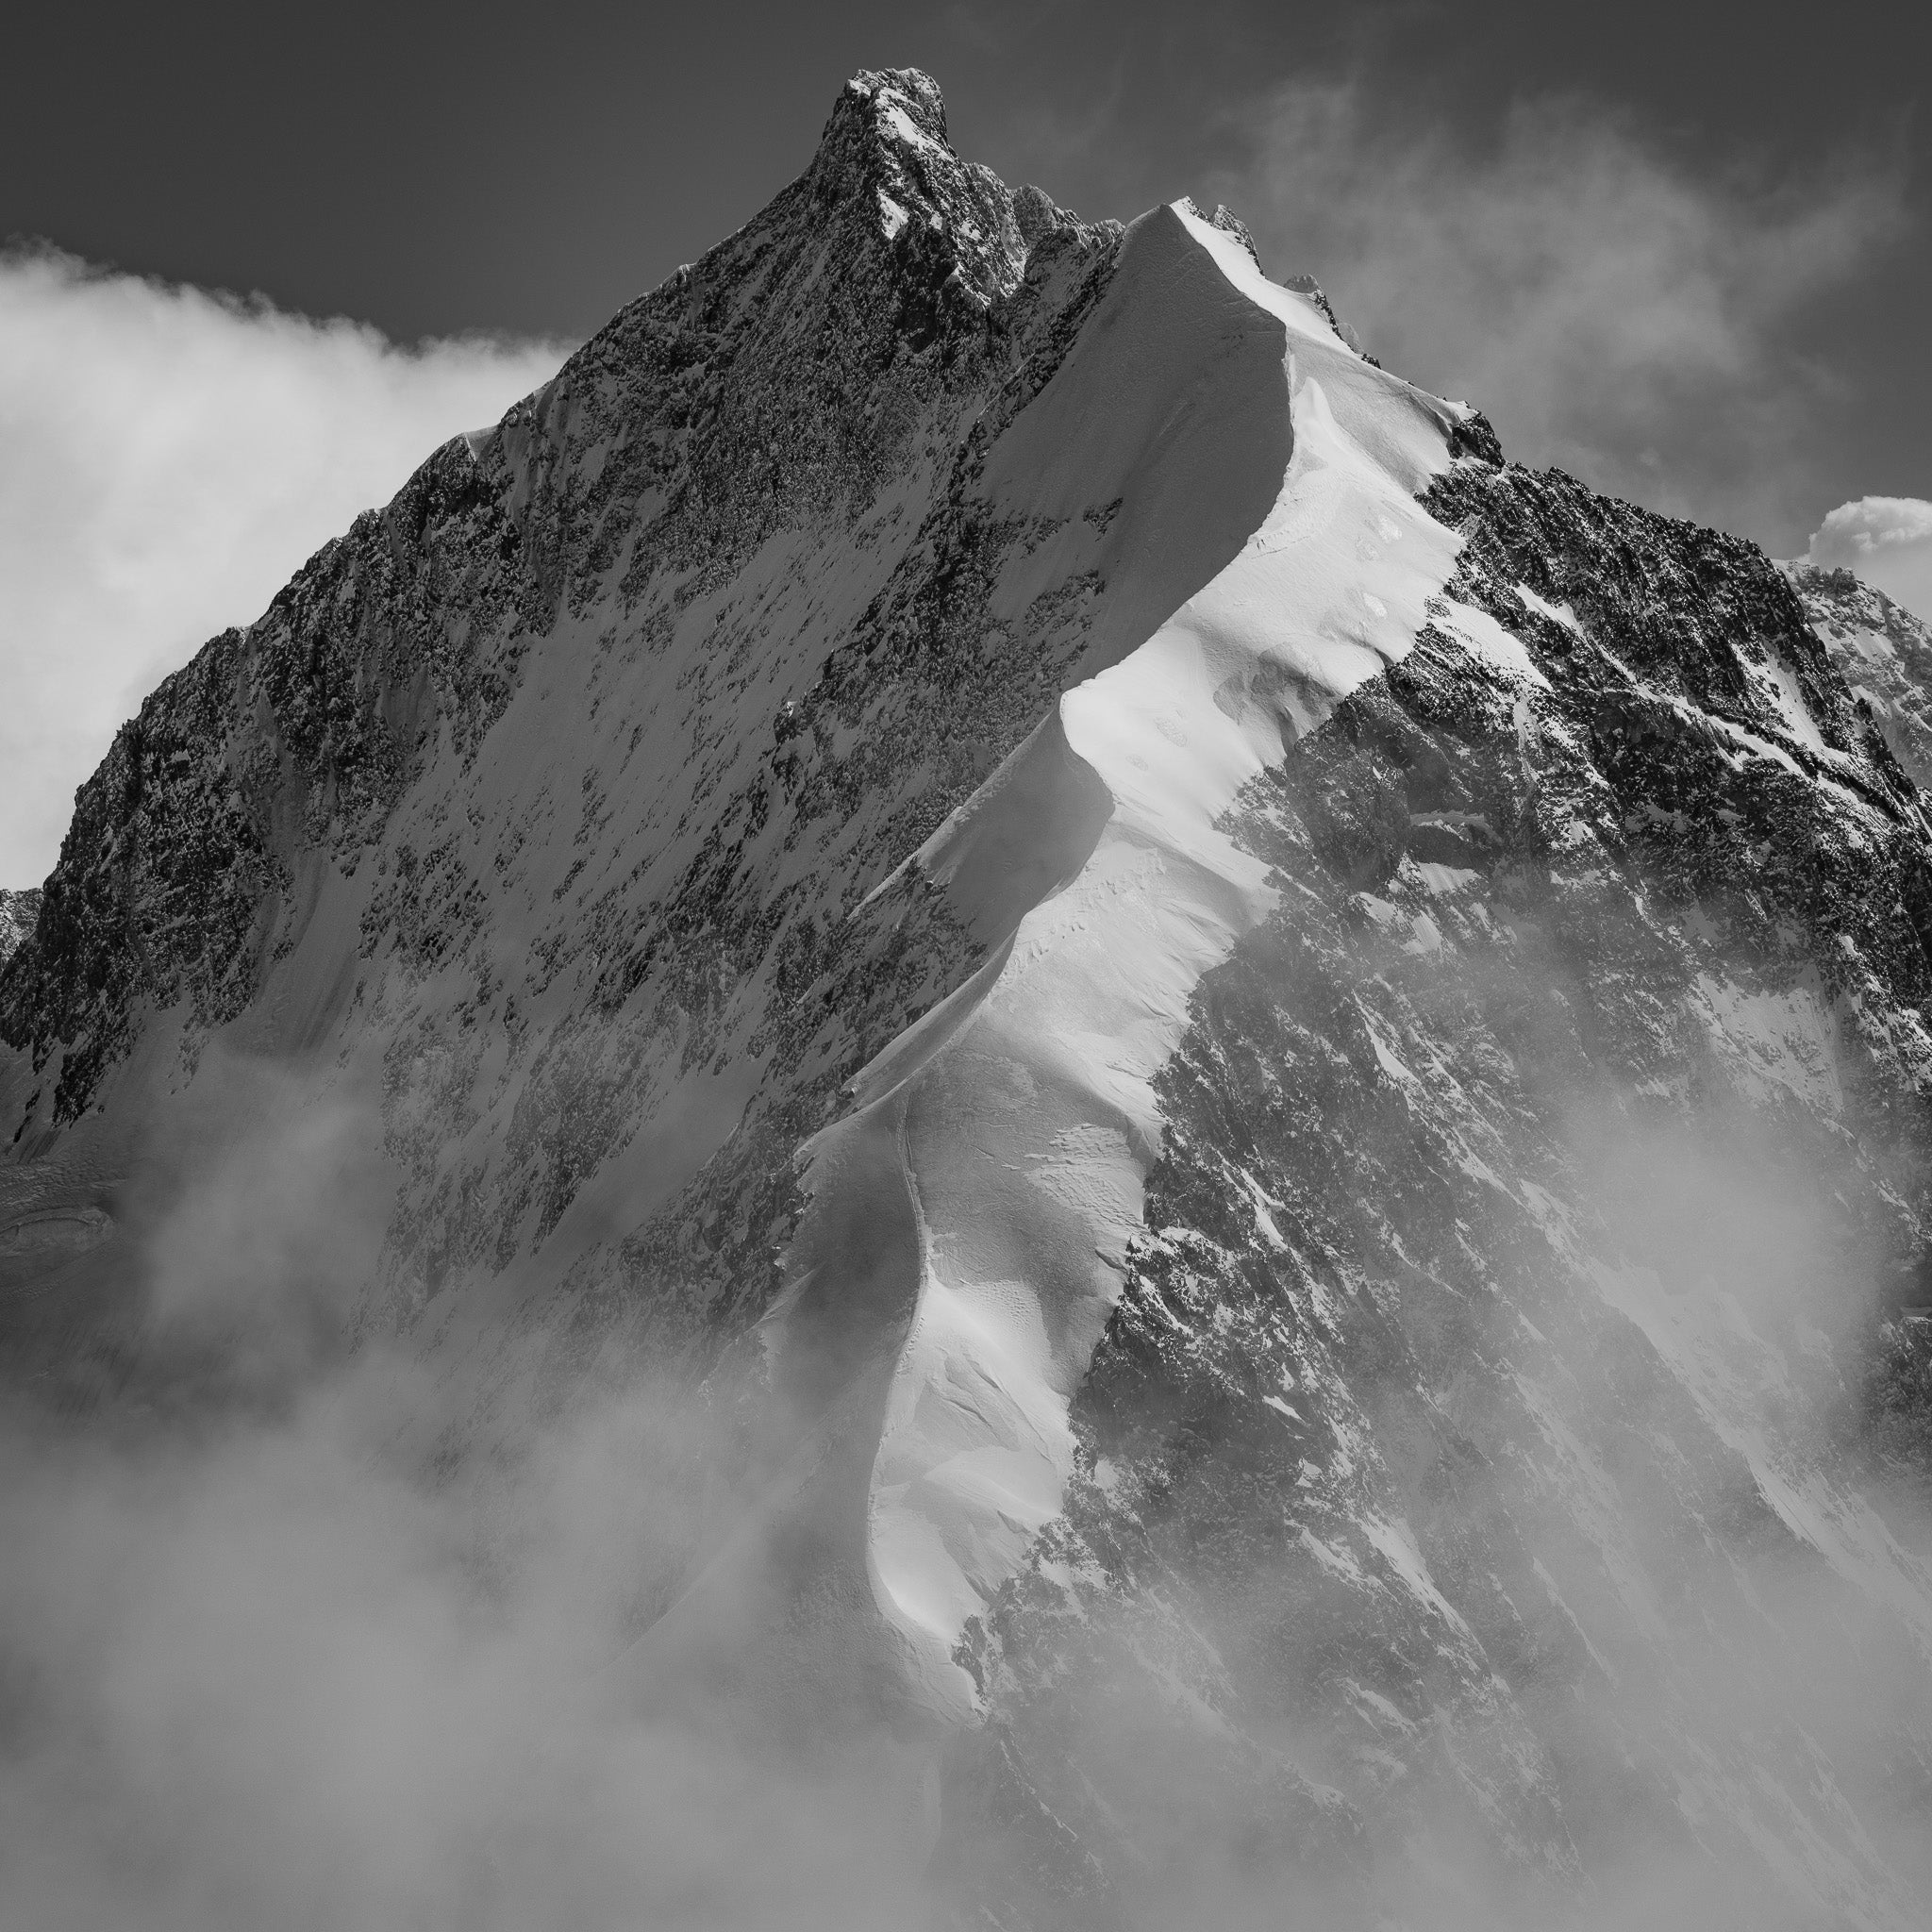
pixel 1883 653
pixel 1466 1463
pixel 18 911
pixel 1277 1070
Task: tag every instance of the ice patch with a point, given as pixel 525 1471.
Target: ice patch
pixel 1445 881
pixel 902 125
pixel 1557 614
pixel 1486 640
pixel 1790 699
pixel 1395 1544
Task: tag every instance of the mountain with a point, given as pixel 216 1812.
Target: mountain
pixel 1883 653
pixel 1269 1073
pixel 18 911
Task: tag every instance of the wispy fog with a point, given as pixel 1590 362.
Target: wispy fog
pixel 271 1657
pixel 289 1640
pixel 1677 1673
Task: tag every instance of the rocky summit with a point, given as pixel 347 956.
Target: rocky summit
pixel 1267 1078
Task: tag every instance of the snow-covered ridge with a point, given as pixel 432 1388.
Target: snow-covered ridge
pixel 1015 1125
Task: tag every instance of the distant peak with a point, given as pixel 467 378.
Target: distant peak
pixel 1229 223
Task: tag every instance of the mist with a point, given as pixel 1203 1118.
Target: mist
pixel 1651 1647
pixel 286 1641
pixel 266 1663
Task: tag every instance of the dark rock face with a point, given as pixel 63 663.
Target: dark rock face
pixel 1396 1480
pixel 294 736
pixel 815 396
pixel 1509 1360
pixel 709 417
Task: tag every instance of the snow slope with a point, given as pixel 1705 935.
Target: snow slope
pixel 1026 1133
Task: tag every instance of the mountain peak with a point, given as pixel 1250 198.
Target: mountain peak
pixel 882 123
pixel 884 155
pixel 1263 1080
pixel 898 91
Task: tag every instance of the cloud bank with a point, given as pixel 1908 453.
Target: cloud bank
pixel 1888 541
pixel 275 1658
pixel 169 458
pixel 1613 310
pixel 259 1677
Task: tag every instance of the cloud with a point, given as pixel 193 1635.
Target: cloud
pixel 169 456
pixel 263 1677
pixel 276 1654
pixel 1615 311
pixel 1888 541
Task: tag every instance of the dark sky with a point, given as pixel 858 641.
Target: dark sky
pixel 435 168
